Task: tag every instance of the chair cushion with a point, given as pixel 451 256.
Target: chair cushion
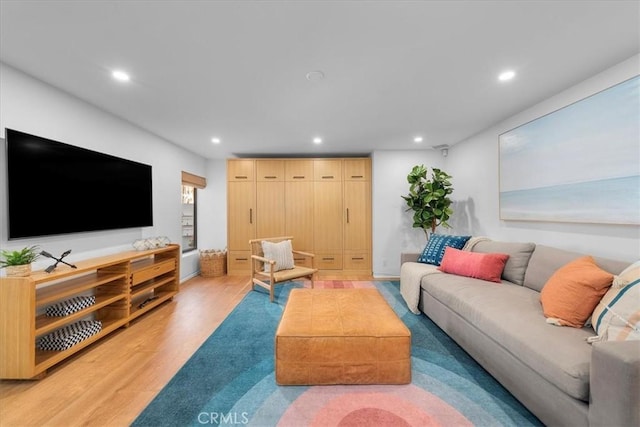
pixel 280 252
pixel 293 273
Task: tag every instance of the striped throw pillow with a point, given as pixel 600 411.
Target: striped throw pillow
pixel 617 316
pixel 280 252
pixel 434 250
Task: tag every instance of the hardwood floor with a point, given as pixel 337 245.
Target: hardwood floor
pixel 112 381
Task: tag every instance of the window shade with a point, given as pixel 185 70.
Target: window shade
pixel 193 180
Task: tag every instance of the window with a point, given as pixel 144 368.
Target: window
pixel 190 185
pixel 189 224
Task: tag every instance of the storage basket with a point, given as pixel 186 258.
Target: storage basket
pixel 213 263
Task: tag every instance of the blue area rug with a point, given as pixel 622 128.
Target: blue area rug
pixel 230 380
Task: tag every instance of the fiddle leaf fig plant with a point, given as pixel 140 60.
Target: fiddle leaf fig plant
pixel 21 257
pixel 428 198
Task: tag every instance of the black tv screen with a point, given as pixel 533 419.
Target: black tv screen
pixel 57 188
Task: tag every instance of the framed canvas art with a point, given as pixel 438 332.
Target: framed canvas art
pixel 577 164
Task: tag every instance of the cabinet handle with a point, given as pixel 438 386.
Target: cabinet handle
pixel 250 216
pixel 357 176
pixel 298 177
pixel 327 176
pixel 241 259
pixel 328 259
pixel 358 258
pixel 270 177
pixel 241 176
pixel 347 215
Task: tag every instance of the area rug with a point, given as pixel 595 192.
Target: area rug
pixel 230 379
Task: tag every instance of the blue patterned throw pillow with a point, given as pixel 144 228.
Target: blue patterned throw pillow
pixel 434 250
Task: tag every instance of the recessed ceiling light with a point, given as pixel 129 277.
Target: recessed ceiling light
pixel 317 140
pixel 120 75
pixel 506 75
pixel 417 139
pixel 314 76
pixel 215 140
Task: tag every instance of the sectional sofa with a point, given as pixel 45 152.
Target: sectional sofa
pixel 552 370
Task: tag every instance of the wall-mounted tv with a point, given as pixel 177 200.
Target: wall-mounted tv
pixel 57 188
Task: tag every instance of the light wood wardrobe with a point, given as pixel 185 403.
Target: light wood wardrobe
pixel 325 204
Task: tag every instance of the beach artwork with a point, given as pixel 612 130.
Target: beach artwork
pixel 577 164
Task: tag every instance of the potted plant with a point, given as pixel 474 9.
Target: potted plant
pixel 18 263
pixel 429 198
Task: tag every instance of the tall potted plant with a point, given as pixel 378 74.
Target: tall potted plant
pixel 18 263
pixel 429 198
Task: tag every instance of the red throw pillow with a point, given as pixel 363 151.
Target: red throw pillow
pixel 473 264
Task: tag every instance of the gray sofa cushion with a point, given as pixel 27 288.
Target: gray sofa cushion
pixel 519 254
pixel 545 260
pixel 512 316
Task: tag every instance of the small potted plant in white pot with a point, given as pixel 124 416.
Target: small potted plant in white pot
pixel 18 263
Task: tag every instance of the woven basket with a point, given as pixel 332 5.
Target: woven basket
pixel 213 263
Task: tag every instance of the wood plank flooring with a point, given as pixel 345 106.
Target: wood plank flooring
pixel 112 381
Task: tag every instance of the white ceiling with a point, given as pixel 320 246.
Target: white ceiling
pixel 394 69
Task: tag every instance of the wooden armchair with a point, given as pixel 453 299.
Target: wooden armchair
pixel 268 271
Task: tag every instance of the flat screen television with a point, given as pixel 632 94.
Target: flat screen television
pixel 56 188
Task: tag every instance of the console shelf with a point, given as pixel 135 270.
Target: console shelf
pixel 119 282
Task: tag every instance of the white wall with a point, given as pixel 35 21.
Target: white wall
pixel 392 225
pixel 474 163
pixel 212 207
pixel 29 105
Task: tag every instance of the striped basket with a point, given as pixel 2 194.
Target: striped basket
pixel 67 337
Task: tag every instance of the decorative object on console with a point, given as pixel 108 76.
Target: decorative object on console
pixel 151 243
pixel 484 266
pixel 58 260
pixel 573 291
pixel 140 245
pixel 429 198
pixel 18 263
pixel 434 249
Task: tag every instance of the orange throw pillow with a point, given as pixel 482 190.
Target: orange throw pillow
pixel 573 291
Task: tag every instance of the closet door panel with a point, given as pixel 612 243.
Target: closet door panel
pixel 299 214
pixel 270 215
pixel 241 214
pixel 327 208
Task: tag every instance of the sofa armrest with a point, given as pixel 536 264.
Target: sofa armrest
pixel 615 384
pixel 409 257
